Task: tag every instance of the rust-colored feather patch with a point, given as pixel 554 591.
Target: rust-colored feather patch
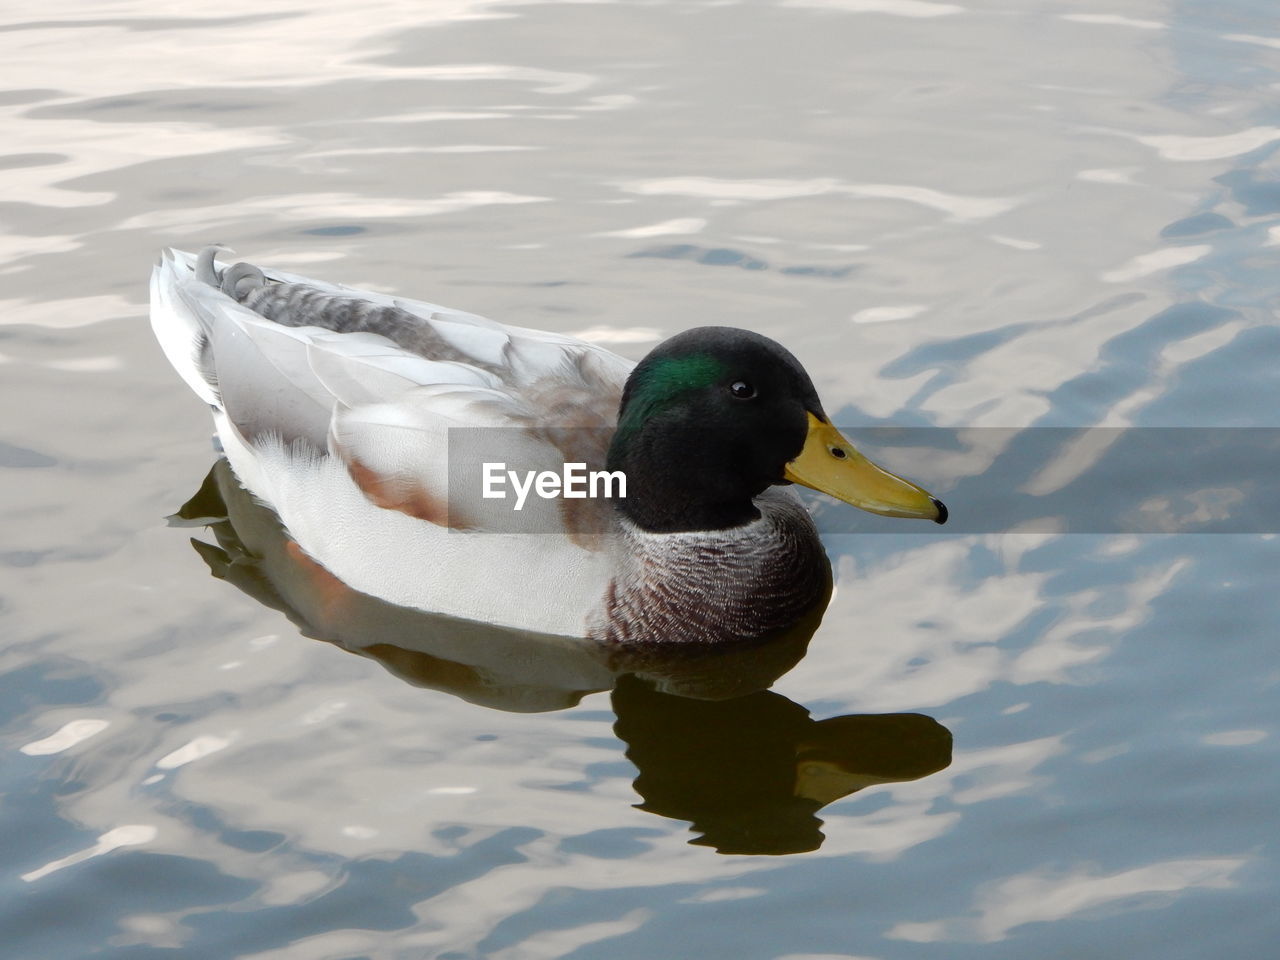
pixel 331 595
pixel 400 493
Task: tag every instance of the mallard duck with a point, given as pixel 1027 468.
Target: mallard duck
pixel 335 407
pixel 498 667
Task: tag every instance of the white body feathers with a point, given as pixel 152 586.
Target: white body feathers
pixel 301 408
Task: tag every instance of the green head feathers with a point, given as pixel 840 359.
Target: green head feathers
pixel 708 420
pixel 661 382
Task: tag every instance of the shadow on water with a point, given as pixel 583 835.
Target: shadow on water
pixel 746 766
pixel 751 773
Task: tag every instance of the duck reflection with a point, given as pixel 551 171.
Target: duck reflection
pixel 752 772
pixel 748 767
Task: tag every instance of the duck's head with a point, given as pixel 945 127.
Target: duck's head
pixel 715 415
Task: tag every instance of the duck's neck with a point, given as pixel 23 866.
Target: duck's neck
pixel 674 487
pixel 668 511
pixel 745 583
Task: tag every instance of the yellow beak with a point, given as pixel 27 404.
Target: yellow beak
pixel 832 464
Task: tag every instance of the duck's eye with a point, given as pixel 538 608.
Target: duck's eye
pixel 838 452
pixel 742 389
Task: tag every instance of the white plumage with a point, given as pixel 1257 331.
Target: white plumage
pixel 300 408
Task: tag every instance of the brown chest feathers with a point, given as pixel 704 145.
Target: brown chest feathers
pixel 744 584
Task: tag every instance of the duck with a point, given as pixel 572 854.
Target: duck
pixel 499 668
pixel 372 424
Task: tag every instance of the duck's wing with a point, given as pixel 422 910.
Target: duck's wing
pixel 246 329
pixel 337 407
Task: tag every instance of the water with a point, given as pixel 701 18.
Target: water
pixel 959 215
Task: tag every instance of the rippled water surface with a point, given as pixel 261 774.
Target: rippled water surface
pixel 959 215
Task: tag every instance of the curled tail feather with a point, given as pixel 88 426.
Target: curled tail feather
pixel 237 281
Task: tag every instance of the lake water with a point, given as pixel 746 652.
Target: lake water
pixel 958 215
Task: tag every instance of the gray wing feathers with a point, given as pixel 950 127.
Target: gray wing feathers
pixel 374 378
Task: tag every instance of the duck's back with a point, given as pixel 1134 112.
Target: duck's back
pixel 335 406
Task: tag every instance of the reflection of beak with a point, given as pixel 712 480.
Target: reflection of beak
pixel 832 464
pixel 826 781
